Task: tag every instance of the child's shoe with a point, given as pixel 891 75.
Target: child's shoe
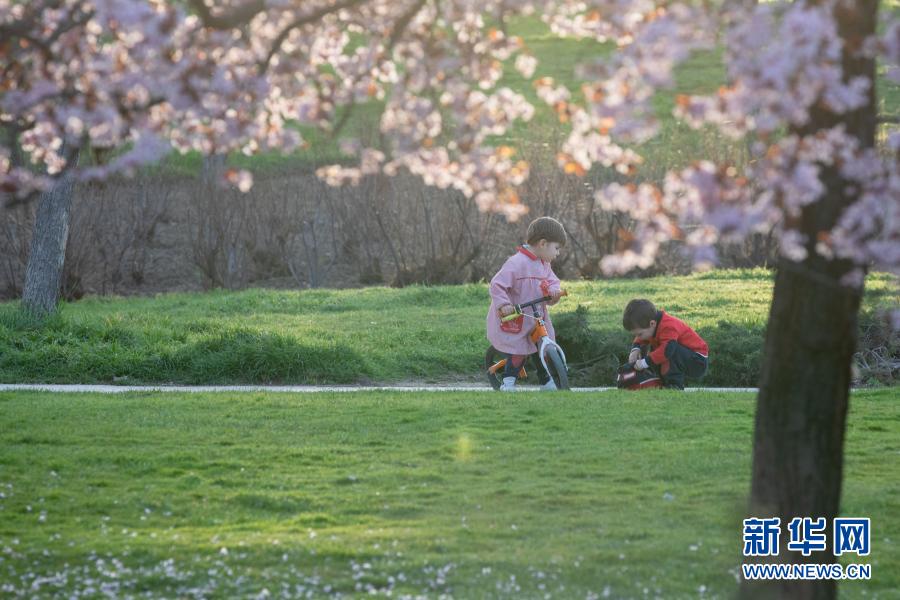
pixel 508 385
pixel 550 386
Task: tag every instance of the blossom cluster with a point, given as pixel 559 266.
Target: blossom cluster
pixel 137 78
pixel 784 63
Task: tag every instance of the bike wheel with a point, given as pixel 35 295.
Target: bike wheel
pixel 492 357
pixel 557 367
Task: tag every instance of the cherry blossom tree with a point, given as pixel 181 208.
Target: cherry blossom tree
pixel 139 78
pixel 801 93
pixel 153 76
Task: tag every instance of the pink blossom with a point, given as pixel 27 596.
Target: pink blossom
pixel 779 68
pixel 526 64
pixel 242 179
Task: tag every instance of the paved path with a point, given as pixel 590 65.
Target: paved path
pixel 294 389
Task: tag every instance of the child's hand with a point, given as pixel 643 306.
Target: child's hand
pixel 555 295
pixel 506 310
pixel 634 356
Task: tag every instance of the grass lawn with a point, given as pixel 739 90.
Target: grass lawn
pixel 464 494
pixel 416 334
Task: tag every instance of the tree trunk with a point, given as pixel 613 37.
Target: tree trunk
pixel 48 246
pixel 810 340
pixel 211 170
pixel 801 413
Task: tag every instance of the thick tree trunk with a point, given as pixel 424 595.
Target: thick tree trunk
pixel 811 337
pixel 48 247
pixel 801 413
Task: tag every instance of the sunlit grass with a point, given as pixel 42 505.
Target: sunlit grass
pixel 472 495
pixel 378 334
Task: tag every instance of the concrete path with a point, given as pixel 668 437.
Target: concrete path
pixel 293 389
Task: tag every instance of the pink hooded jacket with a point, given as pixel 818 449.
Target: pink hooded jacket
pixel 523 277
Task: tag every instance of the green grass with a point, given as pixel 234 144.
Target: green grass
pixel 373 334
pixel 474 495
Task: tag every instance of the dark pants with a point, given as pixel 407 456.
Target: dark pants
pixel 683 362
pixel 514 362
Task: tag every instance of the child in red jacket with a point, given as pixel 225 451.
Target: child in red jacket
pixel 675 350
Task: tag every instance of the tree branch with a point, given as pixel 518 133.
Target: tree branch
pixel 398 29
pixel 402 23
pixel 238 16
pixel 300 22
pixel 27 28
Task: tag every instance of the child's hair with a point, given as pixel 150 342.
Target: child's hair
pixel 546 228
pixel 638 314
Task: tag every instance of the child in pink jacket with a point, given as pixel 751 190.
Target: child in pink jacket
pixel 526 275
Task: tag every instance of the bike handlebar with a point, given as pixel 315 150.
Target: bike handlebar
pixel 520 307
